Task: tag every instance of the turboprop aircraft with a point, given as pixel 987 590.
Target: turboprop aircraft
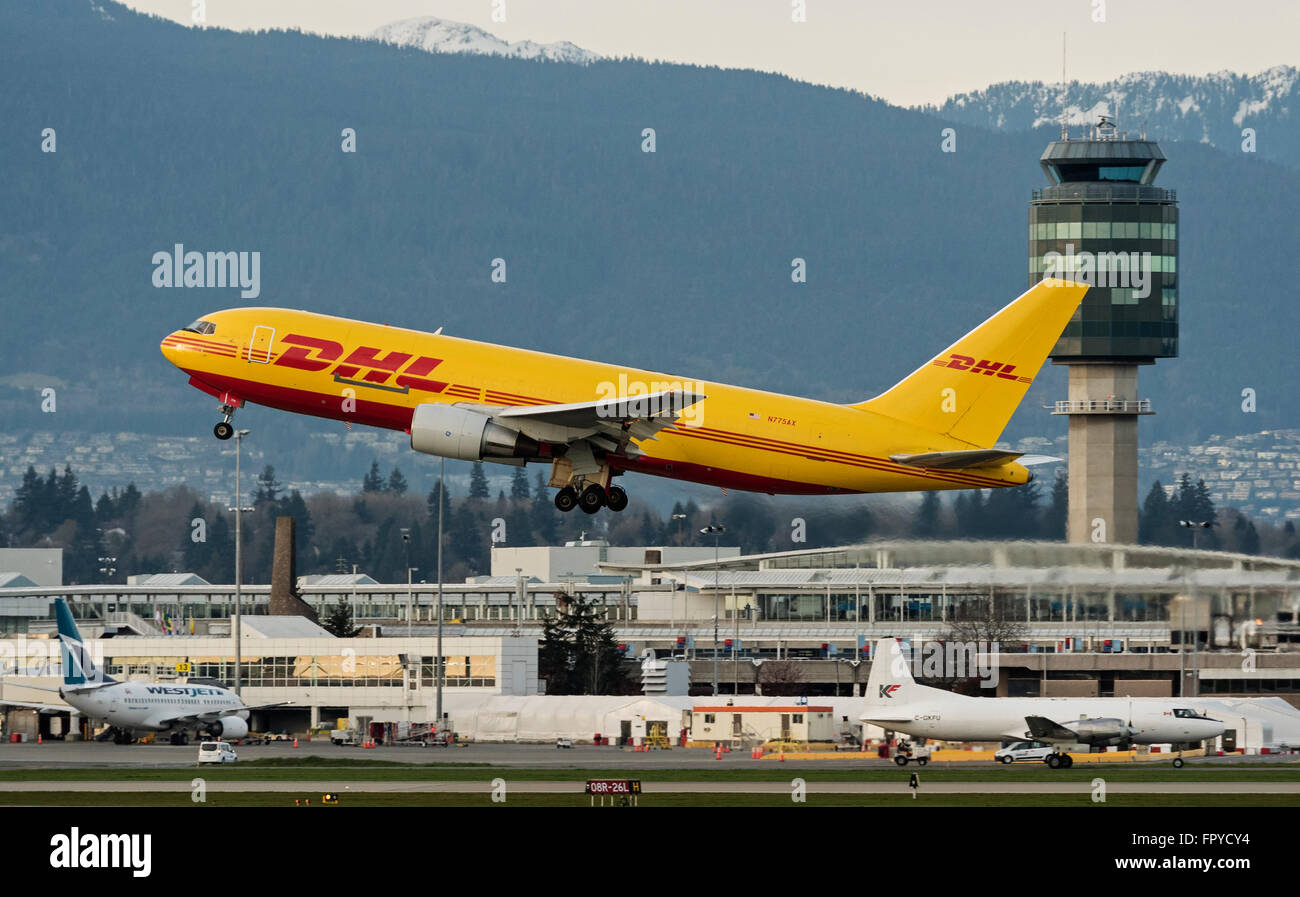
pixel 895 700
pixel 131 707
pixel 592 422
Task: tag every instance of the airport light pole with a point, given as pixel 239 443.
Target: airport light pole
pixel 715 530
pixel 442 500
pixel 406 547
pixel 1195 526
pixel 239 509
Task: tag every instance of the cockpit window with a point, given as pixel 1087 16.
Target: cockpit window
pixel 1182 713
pixel 202 326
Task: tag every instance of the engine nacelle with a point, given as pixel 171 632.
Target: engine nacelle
pixel 230 727
pixel 1103 730
pixel 454 432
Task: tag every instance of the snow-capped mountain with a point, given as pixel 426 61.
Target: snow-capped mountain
pixel 1211 109
pixel 442 36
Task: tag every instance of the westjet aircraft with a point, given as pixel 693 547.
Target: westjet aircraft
pixel 131 707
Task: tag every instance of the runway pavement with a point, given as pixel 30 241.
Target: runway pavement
pixel 577 787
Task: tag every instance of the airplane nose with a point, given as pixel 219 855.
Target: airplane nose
pixel 171 348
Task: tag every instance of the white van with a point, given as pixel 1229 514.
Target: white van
pixel 217 752
pixel 1024 750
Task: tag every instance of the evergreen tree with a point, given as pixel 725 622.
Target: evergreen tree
pixel 578 653
pixel 105 510
pixel 128 502
pixel 338 621
pixel 926 524
pixel 28 499
pixel 478 484
pixel 1056 514
pixel 1154 518
pixel 519 485
pixel 396 482
pixel 432 504
pixel 373 481
pixel 268 488
pixel 1247 537
pixel 542 520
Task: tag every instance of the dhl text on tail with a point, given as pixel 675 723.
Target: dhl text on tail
pixel 591 421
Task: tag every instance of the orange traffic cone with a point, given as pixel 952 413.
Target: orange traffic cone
pixel 295 741
pixel 39 740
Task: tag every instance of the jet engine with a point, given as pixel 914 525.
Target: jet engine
pixel 454 432
pixel 1102 731
pixel 230 727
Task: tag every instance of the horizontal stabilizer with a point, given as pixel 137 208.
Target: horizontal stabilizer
pixel 1043 729
pixel 1032 460
pixel 968 458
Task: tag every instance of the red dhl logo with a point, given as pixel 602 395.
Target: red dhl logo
pixel 408 371
pixel 985 367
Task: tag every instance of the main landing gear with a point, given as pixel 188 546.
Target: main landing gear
pixel 1059 761
pixel 225 429
pixel 591 499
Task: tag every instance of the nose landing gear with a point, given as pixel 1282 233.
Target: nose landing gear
pixel 224 430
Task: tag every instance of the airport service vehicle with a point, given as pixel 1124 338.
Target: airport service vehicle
pixel 217 752
pixel 131 707
pixel 907 752
pixel 563 743
pixel 344 736
pixel 592 422
pixel 896 701
pixel 1024 750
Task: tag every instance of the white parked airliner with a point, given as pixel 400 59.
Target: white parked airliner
pixel 131 707
pixel 896 701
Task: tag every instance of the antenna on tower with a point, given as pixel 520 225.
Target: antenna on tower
pixel 1065 90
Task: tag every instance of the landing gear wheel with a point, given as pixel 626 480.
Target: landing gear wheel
pixel 1008 760
pixel 223 430
pixel 900 760
pixel 616 500
pixel 566 499
pixel 1054 761
pixel 591 499
pixel 1178 763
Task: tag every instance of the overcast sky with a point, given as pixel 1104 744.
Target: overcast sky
pixel 906 52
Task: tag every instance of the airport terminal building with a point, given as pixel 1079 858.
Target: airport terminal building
pixel 1092 620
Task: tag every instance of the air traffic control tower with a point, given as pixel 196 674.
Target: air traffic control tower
pixel 1103 222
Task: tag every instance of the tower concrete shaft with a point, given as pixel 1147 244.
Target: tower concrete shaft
pixel 1103 409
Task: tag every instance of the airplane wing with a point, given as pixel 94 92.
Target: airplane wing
pixel 609 424
pixel 1043 729
pixel 211 716
pixel 39 708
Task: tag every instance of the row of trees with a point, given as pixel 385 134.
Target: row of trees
pixel 177 529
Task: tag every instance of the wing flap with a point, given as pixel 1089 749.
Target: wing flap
pixel 960 459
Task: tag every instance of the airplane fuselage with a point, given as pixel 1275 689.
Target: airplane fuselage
pixel 741 438
pixel 148 705
pixel 946 716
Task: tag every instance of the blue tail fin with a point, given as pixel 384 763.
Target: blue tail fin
pixel 78 666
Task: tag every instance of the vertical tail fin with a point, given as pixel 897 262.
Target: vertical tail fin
pixel 970 390
pixel 78 666
pixel 890 681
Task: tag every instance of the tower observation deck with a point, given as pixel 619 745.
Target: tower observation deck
pixel 1103 222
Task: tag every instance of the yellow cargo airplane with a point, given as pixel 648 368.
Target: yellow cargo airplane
pixel 592 422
